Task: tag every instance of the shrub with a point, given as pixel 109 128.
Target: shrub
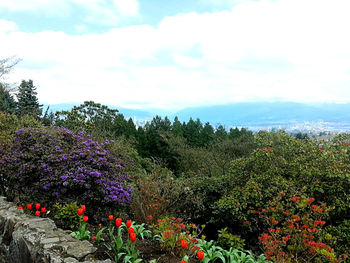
pixel 294 231
pixel 160 193
pixel 227 240
pixel 55 165
pixel 67 215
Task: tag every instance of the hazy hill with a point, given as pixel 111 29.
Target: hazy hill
pixel 247 114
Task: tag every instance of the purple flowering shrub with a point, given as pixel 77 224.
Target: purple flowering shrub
pixel 55 165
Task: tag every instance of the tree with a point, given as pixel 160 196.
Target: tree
pixel 28 103
pixel 7 102
pixel 6 65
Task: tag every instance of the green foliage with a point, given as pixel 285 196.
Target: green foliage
pixel 28 103
pixel 82 233
pixel 227 240
pixel 214 253
pixel 342 234
pixel 67 215
pixel 10 123
pixel 7 102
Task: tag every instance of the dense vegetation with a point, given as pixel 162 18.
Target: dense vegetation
pixel 268 192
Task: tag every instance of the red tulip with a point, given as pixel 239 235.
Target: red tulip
pixel 85 218
pixel 200 254
pixel 183 261
pixel 43 210
pixel 29 206
pixel 37 213
pixel 118 222
pixel 128 223
pixel 133 237
pixel 37 206
pixel 110 217
pixel 80 211
pixel 183 243
pixel 83 207
pixel 131 230
pixel 20 207
pixel 94 237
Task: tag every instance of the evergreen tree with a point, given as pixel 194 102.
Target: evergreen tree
pixel 177 128
pixel 7 102
pixel 207 134
pixel 28 103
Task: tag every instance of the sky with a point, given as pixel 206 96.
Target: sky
pixel 179 53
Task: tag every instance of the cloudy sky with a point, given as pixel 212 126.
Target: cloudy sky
pixel 178 53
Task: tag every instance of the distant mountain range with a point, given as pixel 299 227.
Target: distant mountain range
pixel 251 114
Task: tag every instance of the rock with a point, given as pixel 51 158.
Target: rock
pixel 32 239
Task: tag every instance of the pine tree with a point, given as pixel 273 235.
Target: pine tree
pixel 28 103
pixel 7 102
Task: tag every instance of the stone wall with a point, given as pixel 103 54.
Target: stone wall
pixel 29 239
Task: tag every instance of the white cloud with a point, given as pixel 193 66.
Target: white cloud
pixel 106 12
pixel 44 7
pixel 287 49
pixel 7 26
pixel 127 7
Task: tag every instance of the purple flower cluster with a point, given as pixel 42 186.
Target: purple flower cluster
pixel 54 164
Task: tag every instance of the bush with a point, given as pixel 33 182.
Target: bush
pixel 55 165
pixel 227 240
pixel 160 193
pixel 295 231
pixel 67 215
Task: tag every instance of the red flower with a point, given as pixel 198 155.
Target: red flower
pixel 43 210
pixel 149 218
pixel 85 218
pixel 183 243
pixel 83 207
pixel 200 254
pixel 29 206
pixel 110 217
pixel 37 206
pixel 131 230
pixel 37 213
pixel 133 237
pixel 99 225
pixel 94 237
pixel 183 261
pixel 20 207
pixel 128 223
pixel 80 211
pixel 118 222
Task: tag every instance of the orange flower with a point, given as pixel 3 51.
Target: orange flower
pixel 133 237
pixel 183 243
pixel 200 254
pixel 118 222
